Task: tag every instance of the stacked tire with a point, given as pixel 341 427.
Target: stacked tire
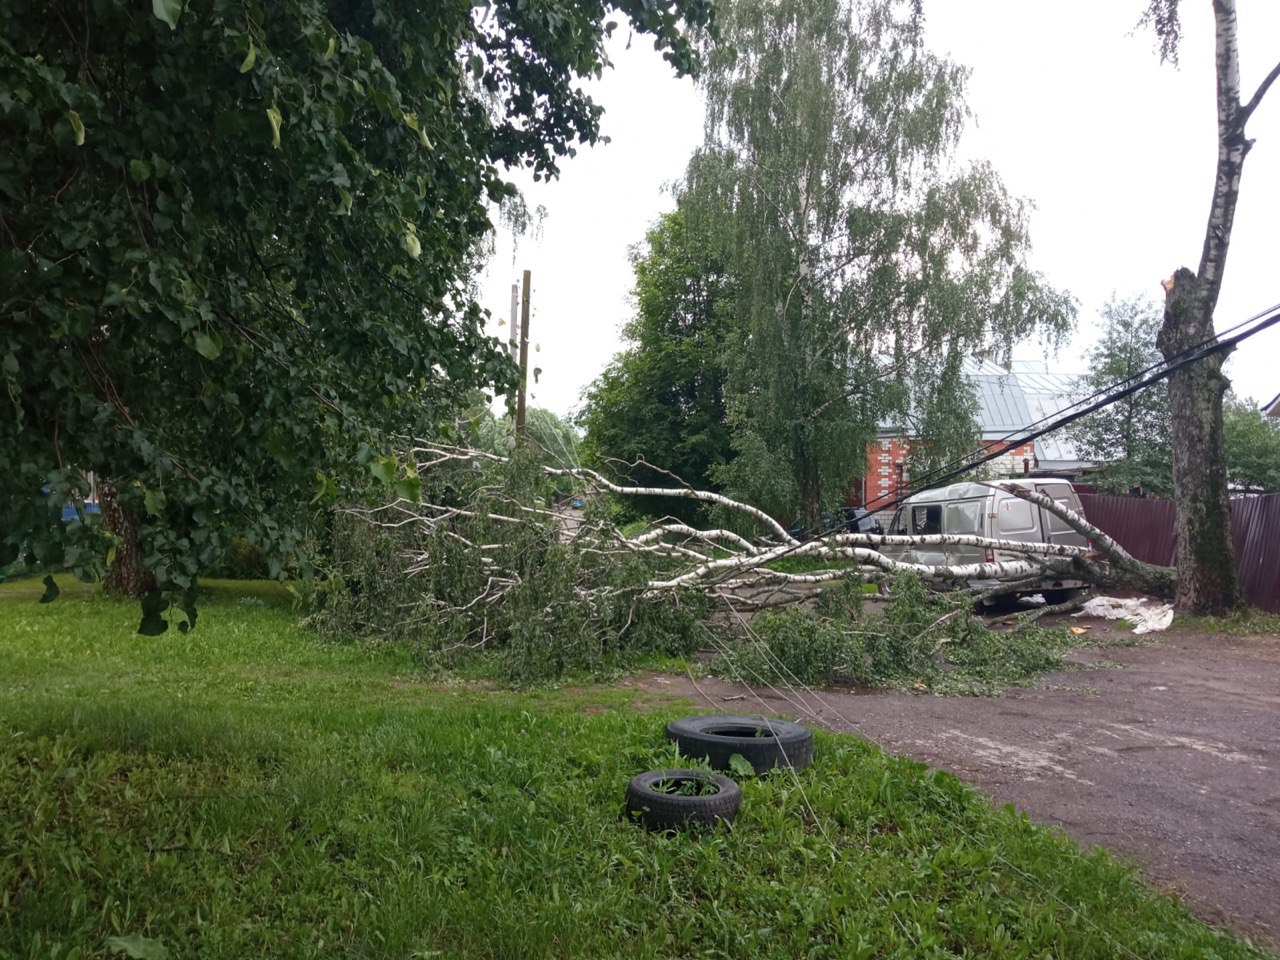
pixel 680 798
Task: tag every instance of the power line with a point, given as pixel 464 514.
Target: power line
pixel 1100 399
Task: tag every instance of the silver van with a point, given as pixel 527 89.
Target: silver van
pixel 985 511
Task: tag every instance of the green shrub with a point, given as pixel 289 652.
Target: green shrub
pixel 920 639
pixel 565 609
pixel 801 647
pixel 242 560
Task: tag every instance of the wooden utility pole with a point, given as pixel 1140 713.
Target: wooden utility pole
pixel 515 322
pixel 524 359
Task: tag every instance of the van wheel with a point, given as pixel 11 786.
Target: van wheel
pixel 996 605
pixel 1055 597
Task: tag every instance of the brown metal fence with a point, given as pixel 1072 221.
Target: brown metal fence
pixel 1255 531
pixel 1146 528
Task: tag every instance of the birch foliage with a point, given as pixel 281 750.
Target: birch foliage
pixel 866 259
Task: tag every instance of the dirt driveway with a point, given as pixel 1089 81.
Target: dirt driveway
pixel 1167 754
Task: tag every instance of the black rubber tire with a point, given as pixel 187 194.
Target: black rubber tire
pixel 658 810
pixel 1054 597
pixel 716 737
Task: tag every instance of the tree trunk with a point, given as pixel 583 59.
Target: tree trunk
pixel 1206 562
pixel 810 484
pixel 127 576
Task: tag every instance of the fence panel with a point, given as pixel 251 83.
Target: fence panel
pixel 1255 530
pixel 1147 529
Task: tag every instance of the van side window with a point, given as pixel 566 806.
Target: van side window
pixel 965 517
pixel 1015 516
pixel 926 519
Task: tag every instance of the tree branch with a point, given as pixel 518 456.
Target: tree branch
pixel 1247 110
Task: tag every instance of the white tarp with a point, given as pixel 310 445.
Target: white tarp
pixel 1148 616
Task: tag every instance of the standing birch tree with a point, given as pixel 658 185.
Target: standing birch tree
pixel 865 260
pixel 1206 563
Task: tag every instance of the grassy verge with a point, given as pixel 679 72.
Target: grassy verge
pixel 1248 622
pixel 246 791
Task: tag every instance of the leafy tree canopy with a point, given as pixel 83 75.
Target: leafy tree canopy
pixel 1133 436
pixel 866 262
pixel 662 400
pixel 1252 444
pixel 234 240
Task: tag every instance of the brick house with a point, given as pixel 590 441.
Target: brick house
pixel 1009 401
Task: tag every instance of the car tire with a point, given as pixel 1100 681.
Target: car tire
pixel 763 743
pixel 658 809
pixel 1055 597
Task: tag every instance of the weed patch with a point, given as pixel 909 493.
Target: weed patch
pixel 1247 622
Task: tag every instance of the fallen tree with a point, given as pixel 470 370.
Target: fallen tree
pixel 482 570
pixel 724 564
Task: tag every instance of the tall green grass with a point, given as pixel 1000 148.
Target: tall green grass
pixel 245 791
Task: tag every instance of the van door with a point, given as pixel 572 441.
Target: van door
pixel 1015 520
pixel 964 518
pixel 1055 531
pixel 922 520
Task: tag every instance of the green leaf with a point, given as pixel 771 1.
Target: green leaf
pixel 152 625
pixel 137 946
pixel 273 114
pixel 326 489
pixel 384 469
pixel 250 58
pixel 168 10
pixel 139 170
pixel 741 766
pixel 409 488
pixel 208 345
pixel 189 608
pixel 411 241
pixel 77 125
pixel 51 590
pixel 154 501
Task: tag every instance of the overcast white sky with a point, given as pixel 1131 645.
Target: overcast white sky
pixel 1074 111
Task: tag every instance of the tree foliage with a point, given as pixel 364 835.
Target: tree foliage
pixel 662 400
pixel 1252 443
pixel 234 244
pixel 1132 437
pixel 865 262
pixel 553 440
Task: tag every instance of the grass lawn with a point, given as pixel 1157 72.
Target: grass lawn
pixel 244 791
